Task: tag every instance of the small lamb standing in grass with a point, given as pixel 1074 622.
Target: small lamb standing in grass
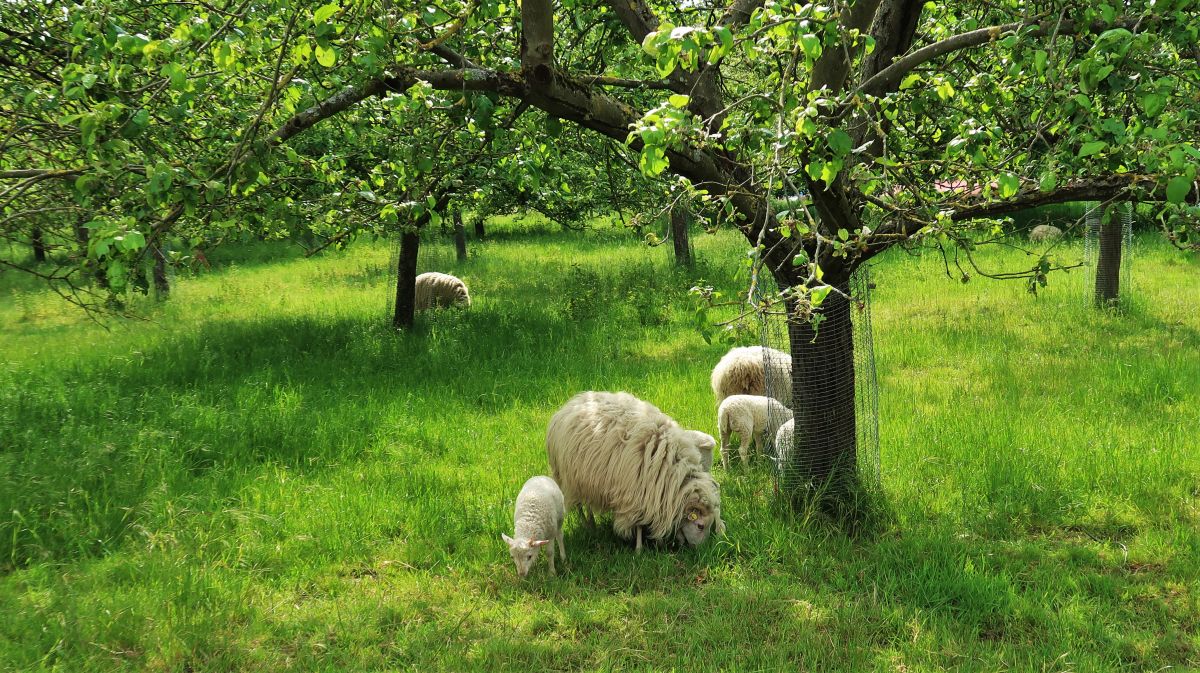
pixel 1045 232
pixel 440 289
pixel 753 370
pixel 537 522
pixel 785 438
pixel 750 417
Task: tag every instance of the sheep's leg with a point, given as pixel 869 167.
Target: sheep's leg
pixel 589 516
pixel 744 448
pixel 550 554
pixel 638 548
pixel 725 449
pixel 562 549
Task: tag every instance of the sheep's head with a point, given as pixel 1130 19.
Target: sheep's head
pixel 524 552
pixel 701 515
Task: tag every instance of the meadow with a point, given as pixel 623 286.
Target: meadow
pixel 263 476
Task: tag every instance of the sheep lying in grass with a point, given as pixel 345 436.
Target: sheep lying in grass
pixel 614 452
pixel 744 371
pixel 1045 233
pixel 750 417
pixel 440 289
pixel 537 522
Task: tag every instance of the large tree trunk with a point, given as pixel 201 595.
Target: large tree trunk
pixel 460 238
pixel 824 459
pixel 406 278
pixel 679 235
pixel 39 244
pixel 479 232
pixel 1108 260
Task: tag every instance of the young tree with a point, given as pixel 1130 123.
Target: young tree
pixel 898 120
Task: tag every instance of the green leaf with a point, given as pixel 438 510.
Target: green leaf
pixel 1009 184
pixel 1091 148
pixel 134 240
pixel 323 12
pixel 839 141
pixel 819 293
pixel 554 127
pixel 1178 188
pixel 1040 58
pixel 811 44
pixel 326 56
pixel 424 164
pixel 910 80
pixel 1048 182
pixel 679 100
pixel 1152 104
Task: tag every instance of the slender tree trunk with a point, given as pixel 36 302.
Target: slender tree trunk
pixel 824 460
pixel 1108 260
pixel 406 278
pixel 479 232
pixel 162 284
pixel 39 244
pixel 679 234
pixel 460 238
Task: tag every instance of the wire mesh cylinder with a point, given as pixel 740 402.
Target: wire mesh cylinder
pixel 832 392
pixel 1108 254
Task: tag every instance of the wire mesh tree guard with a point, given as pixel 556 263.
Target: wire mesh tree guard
pixel 1108 254
pixel 797 471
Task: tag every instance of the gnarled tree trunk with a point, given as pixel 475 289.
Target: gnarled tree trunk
pixel 406 278
pixel 479 232
pixel 162 284
pixel 824 459
pixel 39 244
pixel 460 238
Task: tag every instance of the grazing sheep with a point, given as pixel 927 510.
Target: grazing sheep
pixel 743 371
pixel 1045 232
pixel 537 521
pixel 440 289
pixel 614 452
pixel 784 440
pixel 750 416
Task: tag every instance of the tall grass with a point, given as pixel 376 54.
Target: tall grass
pixel 262 475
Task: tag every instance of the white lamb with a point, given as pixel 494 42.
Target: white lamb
pixel 754 370
pixel 784 441
pixel 611 452
pixel 750 417
pixel 537 522
pixel 440 289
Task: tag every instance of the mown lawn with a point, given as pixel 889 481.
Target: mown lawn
pixel 264 477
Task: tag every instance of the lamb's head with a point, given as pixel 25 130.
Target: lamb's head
pixel 701 512
pixel 524 552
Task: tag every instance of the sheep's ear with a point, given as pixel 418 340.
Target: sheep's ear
pixel 511 542
pixel 703 441
pixel 538 543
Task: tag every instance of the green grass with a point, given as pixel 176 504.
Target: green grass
pixel 263 477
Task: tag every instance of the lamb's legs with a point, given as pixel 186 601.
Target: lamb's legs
pixel 725 449
pixel 550 554
pixel 744 449
pixel 638 548
pixel 562 549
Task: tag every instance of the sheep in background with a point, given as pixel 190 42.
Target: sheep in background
pixel 743 371
pixel 785 439
pixel 537 522
pixel 614 452
pixel 1045 233
pixel 750 416
pixel 440 289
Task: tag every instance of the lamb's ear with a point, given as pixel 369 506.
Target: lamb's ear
pixel 538 543
pixel 511 542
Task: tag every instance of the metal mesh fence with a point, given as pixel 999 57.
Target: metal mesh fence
pixel 836 370
pixel 1108 254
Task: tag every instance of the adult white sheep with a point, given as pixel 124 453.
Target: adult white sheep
pixel 1045 233
pixel 537 521
pixel 440 289
pixel 611 452
pixel 753 370
pixel 749 417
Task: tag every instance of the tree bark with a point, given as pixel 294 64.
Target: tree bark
pixel 406 278
pixel 460 238
pixel 479 232
pixel 1108 260
pixel 162 284
pixel 679 235
pixel 823 464
pixel 39 244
